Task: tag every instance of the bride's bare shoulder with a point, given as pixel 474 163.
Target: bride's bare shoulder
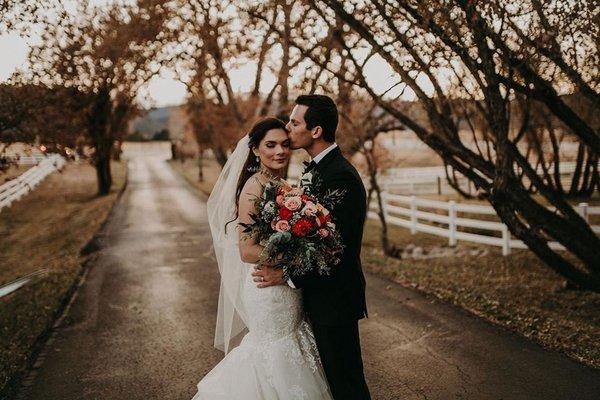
pixel 253 186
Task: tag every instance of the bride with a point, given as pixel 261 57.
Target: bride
pixel 270 348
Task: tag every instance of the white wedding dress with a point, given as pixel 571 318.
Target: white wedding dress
pixel 277 359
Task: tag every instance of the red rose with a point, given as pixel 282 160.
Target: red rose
pixel 306 198
pixel 323 219
pixel 302 227
pixel 285 213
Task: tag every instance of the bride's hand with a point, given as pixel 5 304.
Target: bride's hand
pixel 267 276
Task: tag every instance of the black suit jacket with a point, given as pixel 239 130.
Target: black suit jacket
pixel 339 298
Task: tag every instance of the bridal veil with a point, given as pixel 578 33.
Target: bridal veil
pixel 221 206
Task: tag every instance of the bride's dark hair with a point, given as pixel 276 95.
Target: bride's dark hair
pixel 256 134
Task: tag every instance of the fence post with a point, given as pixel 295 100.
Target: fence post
pixel 505 240
pixel 439 185
pixel 583 210
pixel 452 223
pixel 413 214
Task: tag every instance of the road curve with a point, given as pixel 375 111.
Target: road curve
pixel 141 325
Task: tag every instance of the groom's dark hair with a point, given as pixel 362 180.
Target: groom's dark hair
pixel 321 112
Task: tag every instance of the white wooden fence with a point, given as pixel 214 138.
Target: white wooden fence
pixel 445 219
pixel 13 190
pixel 33 159
pixel 432 180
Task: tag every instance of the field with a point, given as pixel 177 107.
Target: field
pixel 517 292
pixel 189 169
pixel 13 172
pixel 45 232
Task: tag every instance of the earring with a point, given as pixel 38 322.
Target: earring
pixel 256 167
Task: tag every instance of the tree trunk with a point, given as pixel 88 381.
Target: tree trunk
pixel 116 156
pixel 388 248
pixel 103 173
pixel 200 166
pixel 98 123
pixel 370 195
pixel 220 155
pixel 173 151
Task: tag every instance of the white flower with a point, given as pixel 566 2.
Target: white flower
pixel 309 209
pixel 306 179
pixel 270 207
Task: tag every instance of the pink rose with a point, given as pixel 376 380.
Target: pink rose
pixel 279 200
pixel 282 226
pixel 310 209
pixel 323 232
pixel 293 203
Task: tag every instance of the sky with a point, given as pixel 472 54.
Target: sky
pixel 164 89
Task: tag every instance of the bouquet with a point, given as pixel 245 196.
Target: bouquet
pixel 295 227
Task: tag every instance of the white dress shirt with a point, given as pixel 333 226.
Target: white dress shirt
pixel 322 154
pixel 316 159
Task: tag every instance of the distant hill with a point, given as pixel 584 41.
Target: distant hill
pixel 173 119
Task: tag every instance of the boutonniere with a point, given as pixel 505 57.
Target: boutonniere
pixel 306 179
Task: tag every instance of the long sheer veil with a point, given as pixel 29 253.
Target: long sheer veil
pixel 231 316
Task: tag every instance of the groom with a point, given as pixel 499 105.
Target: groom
pixel 334 303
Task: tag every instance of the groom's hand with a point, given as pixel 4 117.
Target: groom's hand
pixel 267 276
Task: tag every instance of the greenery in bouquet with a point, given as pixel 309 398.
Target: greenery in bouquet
pixel 295 226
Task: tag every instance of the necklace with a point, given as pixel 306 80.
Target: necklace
pixel 269 174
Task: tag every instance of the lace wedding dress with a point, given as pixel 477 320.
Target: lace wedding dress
pixel 277 359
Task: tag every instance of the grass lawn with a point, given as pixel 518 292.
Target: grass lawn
pixel 517 292
pixel 12 172
pixel 189 169
pixel 46 230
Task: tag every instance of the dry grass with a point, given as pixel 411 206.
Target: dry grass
pixel 46 229
pixel 12 172
pixel 189 169
pixel 517 292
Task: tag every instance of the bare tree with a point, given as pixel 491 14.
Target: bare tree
pixel 17 103
pixel 478 42
pixel 220 36
pixel 363 124
pixel 107 53
pixel 209 51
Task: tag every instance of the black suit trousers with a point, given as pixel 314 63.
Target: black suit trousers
pixel 339 348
